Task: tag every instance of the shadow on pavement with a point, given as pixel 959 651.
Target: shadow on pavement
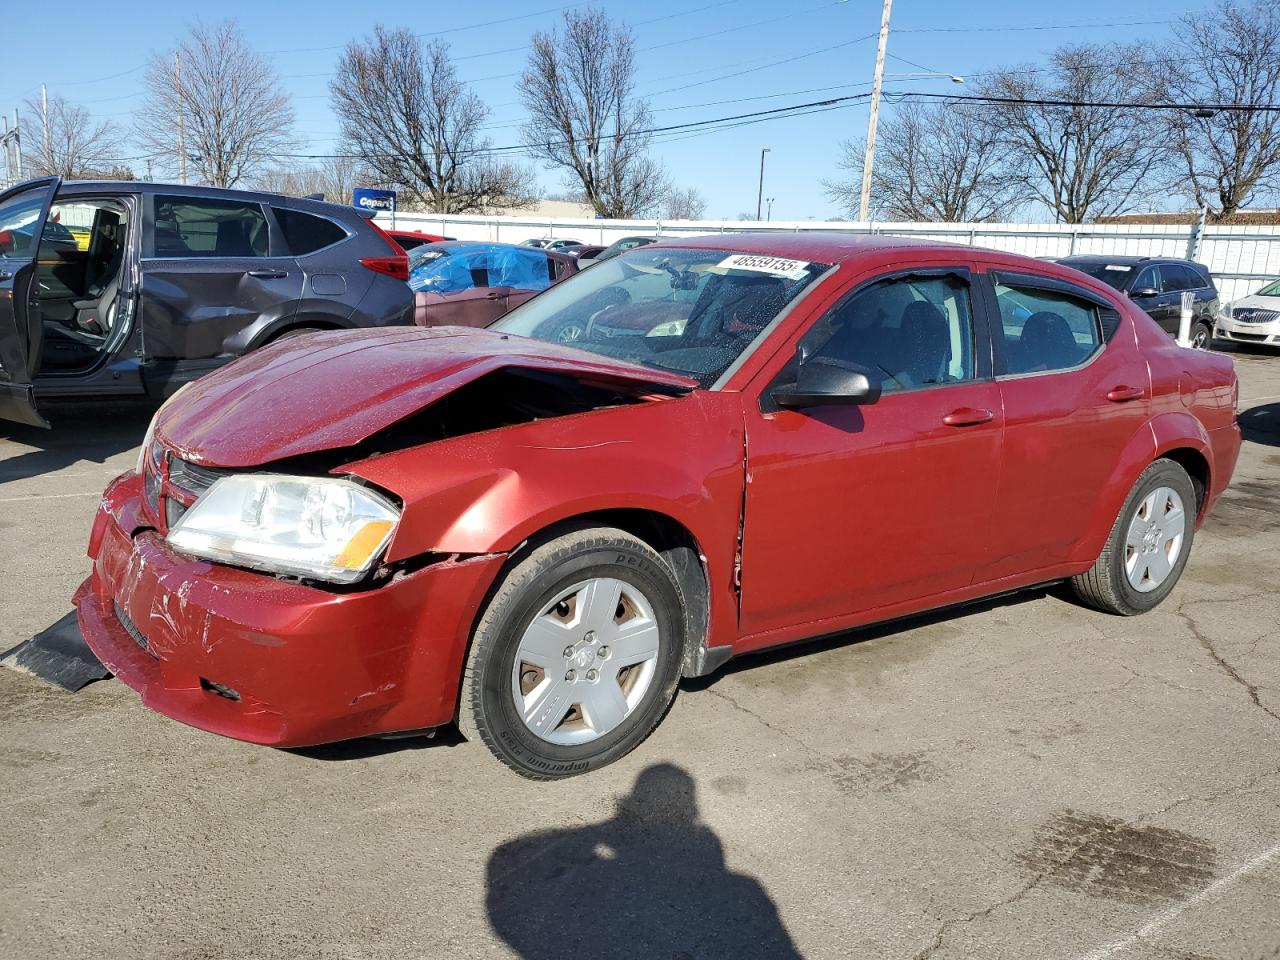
pixel 809 646
pixel 367 747
pixel 88 430
pixel 1261 424
pixel 650 882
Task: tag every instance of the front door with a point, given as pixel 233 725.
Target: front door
pixel 23 212
pixel 854 508
pixel 213 271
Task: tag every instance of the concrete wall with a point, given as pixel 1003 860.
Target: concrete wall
pixel 1241 258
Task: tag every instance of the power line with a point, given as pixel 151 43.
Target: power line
pixel 818 106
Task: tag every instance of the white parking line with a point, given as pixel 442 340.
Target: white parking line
pixel 51 496
pixel 1166 916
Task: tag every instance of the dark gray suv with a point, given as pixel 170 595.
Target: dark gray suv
pixel 138 288
pixel 1156 285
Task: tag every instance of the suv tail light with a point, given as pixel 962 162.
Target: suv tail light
pixel 396 265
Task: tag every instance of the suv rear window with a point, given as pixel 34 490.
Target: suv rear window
pixel 201 227
pixel 306 233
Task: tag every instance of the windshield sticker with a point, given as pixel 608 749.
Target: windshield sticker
pixel 1122 267
pixel 777 266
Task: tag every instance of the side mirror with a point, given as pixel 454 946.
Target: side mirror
pixel 1143 293
pixel 827 382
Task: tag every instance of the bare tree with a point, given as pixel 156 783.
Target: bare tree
pixel 1081 161
pixel 76 146
pixel 1227 55
pixel 334 177
pixel 584 117
pixel 938 162
pixel 222 98
pixel 684 205
pixel 403 111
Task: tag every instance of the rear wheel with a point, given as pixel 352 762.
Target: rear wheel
pixel 576 658
pixel 1148 546
pixel 1201 335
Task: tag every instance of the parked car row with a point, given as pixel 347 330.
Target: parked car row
pixel 175 281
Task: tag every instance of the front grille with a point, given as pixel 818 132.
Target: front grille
pixel 1254 315
pixel 1251 337
pixel 133 631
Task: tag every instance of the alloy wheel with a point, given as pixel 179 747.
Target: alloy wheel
pixel 586 661
pixel 1154 540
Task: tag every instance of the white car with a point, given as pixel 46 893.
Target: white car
pixel 1253 319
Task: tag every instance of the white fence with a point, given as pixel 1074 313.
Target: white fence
pixel 1241 259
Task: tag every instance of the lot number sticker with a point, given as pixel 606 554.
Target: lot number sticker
pixel 777 266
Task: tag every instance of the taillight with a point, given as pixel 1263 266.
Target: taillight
pixel 396 265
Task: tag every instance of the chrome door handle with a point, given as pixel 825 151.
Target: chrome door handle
pixel 967 417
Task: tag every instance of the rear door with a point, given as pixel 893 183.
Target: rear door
pixel 1075 390
pixel 213 273
pixel 23 212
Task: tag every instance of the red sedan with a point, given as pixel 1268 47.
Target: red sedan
pixel 379 531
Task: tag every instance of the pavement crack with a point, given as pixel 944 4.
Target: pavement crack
pixel 1227 668
pixel 940 937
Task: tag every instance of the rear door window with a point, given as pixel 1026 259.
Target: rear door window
pixel 1046 330
pixel 205 227
pixel 1177 278
pixel 306 233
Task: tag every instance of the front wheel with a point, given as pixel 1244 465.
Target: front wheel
pixel 576 657
pixel 1148 546
pixel 1201 336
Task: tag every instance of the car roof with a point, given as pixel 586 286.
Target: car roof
pixel 1125 260
pixel 817 246
pixel 74 187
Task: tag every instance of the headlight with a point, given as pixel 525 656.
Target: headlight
pixel 320 527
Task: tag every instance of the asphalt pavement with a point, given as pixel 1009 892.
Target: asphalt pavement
pixel 1025 778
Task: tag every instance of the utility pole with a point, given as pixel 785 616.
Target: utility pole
pixel 4 143
pixel 182 120
pixel 44 117
pixel 769 209
pixel 760 192
pixel 864 199
pixel 17 143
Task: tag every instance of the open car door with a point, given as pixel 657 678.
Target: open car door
pixel 23 212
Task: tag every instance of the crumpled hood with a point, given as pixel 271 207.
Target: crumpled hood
pixel 335 389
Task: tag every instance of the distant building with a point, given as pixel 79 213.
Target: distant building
pixel 1241 218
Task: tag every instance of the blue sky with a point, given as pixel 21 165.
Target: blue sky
pixel 698 59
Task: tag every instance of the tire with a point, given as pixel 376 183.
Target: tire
pixel 1201 335
pixel 622 692
pixel 1129 577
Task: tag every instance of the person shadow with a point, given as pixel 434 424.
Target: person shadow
pixel 651 883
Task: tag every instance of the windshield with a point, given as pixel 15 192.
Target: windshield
pixel 1112 274
pixel 1270 290
pixel 689 311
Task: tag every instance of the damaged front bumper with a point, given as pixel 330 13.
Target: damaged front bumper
pixel 269 661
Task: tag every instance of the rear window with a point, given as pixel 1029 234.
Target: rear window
pixel 306 233
pixel 200 227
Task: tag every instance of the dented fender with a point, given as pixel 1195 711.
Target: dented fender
pixel 489 492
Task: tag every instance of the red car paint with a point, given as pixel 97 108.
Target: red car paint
pixel 906 512
pixel 412 238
